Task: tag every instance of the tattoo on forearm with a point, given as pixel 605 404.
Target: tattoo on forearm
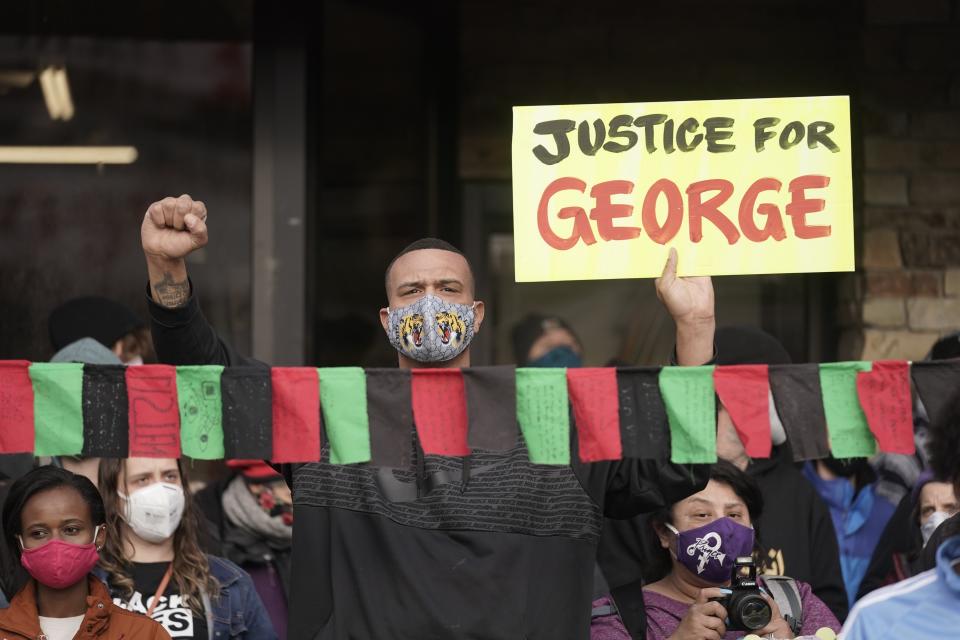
pixel 171 294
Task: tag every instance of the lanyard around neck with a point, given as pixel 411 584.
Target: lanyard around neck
pixel 163 587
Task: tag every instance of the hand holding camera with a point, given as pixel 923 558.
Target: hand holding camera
pixel 747 608
pixel 704 620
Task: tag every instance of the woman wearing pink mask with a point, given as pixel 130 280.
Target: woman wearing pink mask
pixel 701 538
pixel 54 521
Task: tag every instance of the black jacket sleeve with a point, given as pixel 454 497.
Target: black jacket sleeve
pixel 182 336
pixel 895 539
pixel 628 487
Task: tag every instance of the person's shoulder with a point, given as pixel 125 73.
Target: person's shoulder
pixel 225 571
pixel 124 619
pixel 221 565
pixel 883 501
pixel 889 600
pixel 655 600
pixel 802 587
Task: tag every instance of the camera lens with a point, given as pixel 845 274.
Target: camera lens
pixel 754 612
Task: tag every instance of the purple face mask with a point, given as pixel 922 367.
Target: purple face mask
pixel 710 551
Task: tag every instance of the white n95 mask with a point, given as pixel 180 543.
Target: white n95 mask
pixel 928 527
pixel 154 512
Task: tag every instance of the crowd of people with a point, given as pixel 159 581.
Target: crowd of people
pixel 457 548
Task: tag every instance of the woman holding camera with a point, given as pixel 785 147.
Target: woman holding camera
pixel 698 596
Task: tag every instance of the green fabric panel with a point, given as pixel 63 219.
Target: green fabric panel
pixel 201 412
pixel 343 402
pixel 57 408
pixel 847 426
pixel 544 415
pixel 690 399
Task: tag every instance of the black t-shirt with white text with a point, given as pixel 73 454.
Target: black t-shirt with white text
pixel 171 611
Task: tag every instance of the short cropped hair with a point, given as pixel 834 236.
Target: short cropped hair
pixel 37 481
pixel 427 243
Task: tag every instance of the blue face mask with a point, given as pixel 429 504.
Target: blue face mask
pixel 837 493
pixel 558 357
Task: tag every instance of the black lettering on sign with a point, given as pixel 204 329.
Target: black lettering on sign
pixel 761 133
pixel 648 122
pixel 719 129
pixel 617 123
pixel 819 133
pixel 559 130
pixel 587 146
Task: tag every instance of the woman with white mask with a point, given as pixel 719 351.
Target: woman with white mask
pixel 156 566
pixel 900 553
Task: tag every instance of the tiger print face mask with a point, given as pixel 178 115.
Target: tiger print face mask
pixel 430 329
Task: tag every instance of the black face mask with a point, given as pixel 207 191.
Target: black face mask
pixel 846 468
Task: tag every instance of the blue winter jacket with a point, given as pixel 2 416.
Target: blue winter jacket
pixel 859 518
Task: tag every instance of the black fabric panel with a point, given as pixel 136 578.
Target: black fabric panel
pixel 799 400
pixel 644 429
pixel 938 383
pixel 390 415
pixel 247 396
pixel 491 407
pixel 106 426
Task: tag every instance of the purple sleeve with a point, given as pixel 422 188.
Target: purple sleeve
pixel 816 615
pixel 663 615
pixel 608 627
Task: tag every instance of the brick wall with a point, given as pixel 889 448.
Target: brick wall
pixel 906 292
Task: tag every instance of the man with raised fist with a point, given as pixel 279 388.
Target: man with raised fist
pixel 489 546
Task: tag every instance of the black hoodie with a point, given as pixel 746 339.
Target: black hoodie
pixel 488 546
pixel 898 554
pixel 795 528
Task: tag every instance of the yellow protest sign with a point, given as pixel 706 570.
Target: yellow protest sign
pixel 737 186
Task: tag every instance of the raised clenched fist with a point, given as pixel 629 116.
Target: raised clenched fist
pixel 174 227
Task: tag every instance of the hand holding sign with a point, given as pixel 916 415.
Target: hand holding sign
pixel 690 302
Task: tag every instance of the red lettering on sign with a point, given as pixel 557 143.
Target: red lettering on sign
pixel 605 211
pixel 710 209
pixel 774 225
pixel 800 205
pixel 581 225
pixel 662 234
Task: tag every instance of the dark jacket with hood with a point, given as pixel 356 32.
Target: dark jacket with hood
pixel 489 546
pixel 795 528
pixel 899 551
pixel 239 547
